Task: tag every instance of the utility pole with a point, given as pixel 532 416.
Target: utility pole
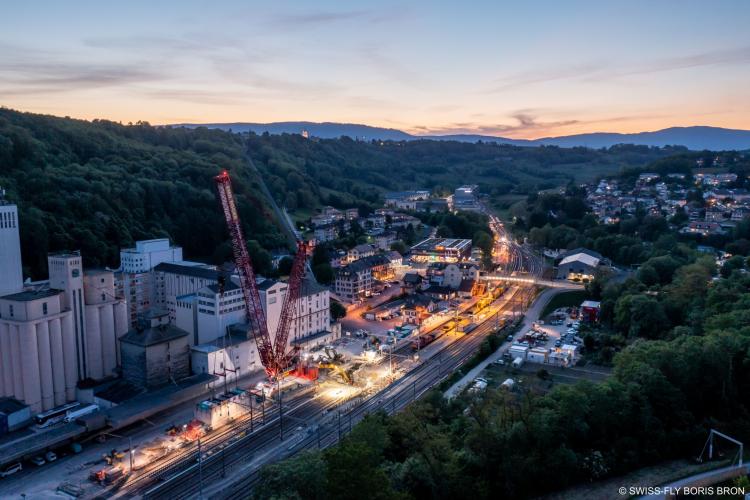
pixel 131 452
pixel 200 470
pixel 251 412
pixel 281 416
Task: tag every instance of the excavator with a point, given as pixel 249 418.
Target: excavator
pixel 346 375
pixel 333 363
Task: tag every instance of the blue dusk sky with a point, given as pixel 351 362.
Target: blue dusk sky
pixel 517 69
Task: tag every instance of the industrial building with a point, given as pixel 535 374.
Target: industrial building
pixel 57 332
pixel 11 279
pixel 464 198
pixel 206 313
pixel 60 333
pixel 441 250
pixel 135 279
pixel 33 326
pixel 579 264
pixel 155 353
pixel 14 415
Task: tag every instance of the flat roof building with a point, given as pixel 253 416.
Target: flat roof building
pixel 441 250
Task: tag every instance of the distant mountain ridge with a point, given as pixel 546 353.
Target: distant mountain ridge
pixel 695 138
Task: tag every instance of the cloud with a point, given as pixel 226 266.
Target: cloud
pixel 527 124
pixel 315 18
pixel 47 77
pixel 602 70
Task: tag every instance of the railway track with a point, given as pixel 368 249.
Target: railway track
pixel 263 446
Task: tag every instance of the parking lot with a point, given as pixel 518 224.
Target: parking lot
pixel 554 340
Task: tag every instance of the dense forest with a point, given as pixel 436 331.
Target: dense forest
pixel 306 173
pixel 99 186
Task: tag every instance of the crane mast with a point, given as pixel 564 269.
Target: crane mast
pixel 273 355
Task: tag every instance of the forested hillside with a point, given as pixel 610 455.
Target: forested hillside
pixel 99 186
pixel 304 173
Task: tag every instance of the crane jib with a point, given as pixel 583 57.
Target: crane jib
pixel 273 355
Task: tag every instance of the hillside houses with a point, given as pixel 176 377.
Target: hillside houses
pixel 667 195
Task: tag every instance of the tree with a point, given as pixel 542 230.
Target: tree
pixel 285 265
pixel 640 316
pixel 323 273
pixel 338 311
pixel 302 477
pixel 399 247
pixel 731 264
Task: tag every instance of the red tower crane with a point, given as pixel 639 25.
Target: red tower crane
pixel 273 354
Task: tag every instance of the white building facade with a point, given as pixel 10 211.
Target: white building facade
pixel 38 349
pixel 11 278
pixel 135 279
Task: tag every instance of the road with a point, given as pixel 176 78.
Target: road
pixel 531 316
pixel 708 478
pixel 315 421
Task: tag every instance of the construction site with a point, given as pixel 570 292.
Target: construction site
pixel 212 401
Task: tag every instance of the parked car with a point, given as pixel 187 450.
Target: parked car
pixel 50 456
pixel 509 338
pixel 38 461
pixel 11 469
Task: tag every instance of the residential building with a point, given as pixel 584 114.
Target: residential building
pixel 147 254
pixel 326 232
pixel 412 283
pixel 702 228
pixel 417 308
pixel 208 314
pixel 360 252
pixel 353 281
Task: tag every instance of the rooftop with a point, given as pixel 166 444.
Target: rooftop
pixel 221 343
pixel 441 244
pixel 11 405
pixel 204 272
pixel 30 295
pixel 587 259
pixel 153 335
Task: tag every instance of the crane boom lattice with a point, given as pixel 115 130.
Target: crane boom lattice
pixel 273 355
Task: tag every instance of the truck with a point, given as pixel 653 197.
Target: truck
pixel 106 476
pixel 72 415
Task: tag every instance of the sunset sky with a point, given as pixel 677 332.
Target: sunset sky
pixel 516 69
